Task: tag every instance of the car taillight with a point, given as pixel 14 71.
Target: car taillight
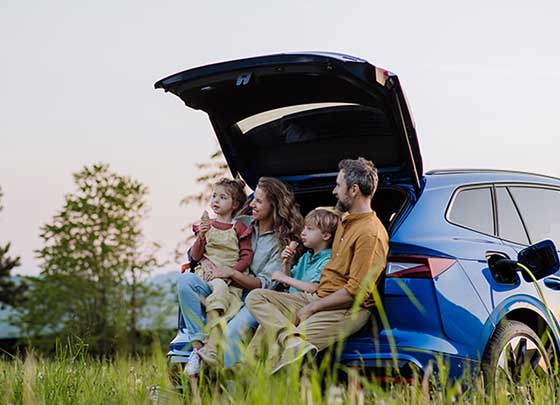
pixel 417 266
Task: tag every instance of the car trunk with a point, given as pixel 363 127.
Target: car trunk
pixel 300 114
pixel 388 202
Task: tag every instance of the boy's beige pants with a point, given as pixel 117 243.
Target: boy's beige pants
pixel 276 311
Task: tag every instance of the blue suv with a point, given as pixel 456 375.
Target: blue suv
pixel 295 116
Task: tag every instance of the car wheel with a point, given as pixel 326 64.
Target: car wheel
pixel 514 352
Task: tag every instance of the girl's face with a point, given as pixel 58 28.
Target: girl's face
pixel 222 202
pixel 261 206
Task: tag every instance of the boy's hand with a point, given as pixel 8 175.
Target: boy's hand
pixel 288 253
pixel 278 276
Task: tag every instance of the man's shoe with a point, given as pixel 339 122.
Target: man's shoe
pixel 193 363
pixel 293 352
pixel 209 355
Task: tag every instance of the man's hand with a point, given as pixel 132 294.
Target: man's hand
pixel 303 313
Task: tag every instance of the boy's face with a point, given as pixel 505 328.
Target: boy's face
pixel 221 202
pixel 312 236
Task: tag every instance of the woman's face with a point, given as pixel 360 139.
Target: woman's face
pixel 261 206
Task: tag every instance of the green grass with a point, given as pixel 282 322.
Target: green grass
pixel 74 378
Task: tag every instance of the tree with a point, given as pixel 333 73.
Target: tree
pixel 94 262
pixel 11 293
pixel 211 172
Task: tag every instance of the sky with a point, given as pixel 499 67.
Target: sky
pixel 482 79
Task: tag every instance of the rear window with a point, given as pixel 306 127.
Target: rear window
pixel 540 209
pixel 315 140
pixel 472 208
pixel 256 120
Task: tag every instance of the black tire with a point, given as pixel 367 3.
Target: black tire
pixel 513 352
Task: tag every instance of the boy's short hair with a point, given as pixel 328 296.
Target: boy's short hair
pixel 324 218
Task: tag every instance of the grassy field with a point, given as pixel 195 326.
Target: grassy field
pixel 74 378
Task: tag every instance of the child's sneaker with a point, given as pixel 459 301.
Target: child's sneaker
pixel 193 363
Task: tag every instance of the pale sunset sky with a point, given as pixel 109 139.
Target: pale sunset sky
pixel 482 79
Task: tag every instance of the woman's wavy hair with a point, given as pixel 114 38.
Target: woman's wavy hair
pixel 287 219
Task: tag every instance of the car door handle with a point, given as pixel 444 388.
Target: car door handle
pixel 552 283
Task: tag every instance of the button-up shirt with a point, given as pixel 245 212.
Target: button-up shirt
pixel 266 254
pixel 309 267
pixel 359 256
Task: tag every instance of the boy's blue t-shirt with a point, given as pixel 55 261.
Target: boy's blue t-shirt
pixel 309 267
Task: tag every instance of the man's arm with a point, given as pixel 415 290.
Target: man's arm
pixel 340 299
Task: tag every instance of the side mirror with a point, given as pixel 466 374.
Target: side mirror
pixel 541 258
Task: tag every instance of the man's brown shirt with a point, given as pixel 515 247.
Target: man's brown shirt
pixel 360 246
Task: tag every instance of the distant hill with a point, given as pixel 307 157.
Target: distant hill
pixel 158 314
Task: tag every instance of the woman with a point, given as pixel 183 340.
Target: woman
pixel 276 221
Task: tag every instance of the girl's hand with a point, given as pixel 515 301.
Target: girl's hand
pixel 278 276
pixel 203 227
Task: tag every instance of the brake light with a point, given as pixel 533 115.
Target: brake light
pixel 417 266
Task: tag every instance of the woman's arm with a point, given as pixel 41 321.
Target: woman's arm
pixel 245 280
pixel 241 279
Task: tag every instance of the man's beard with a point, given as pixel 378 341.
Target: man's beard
pixel 342 206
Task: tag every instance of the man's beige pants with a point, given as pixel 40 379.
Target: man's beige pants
pixel 276 311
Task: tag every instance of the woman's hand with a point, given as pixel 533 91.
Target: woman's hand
pixel 208 268
pixel 221 272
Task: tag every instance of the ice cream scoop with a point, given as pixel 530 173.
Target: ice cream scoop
pixel 204 219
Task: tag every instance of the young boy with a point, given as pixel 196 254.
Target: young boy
pixel 317 236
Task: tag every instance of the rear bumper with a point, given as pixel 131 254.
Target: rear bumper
pixel 409 352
